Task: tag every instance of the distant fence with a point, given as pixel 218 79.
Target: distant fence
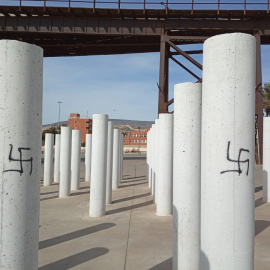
pixel 148 4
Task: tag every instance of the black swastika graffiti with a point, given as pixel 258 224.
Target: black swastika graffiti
pixel 238 161
pixel 20 160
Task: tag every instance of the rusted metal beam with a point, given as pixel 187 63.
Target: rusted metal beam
pixel 94 6
pixel 192 60
pixel 119 6
pixel 99 25
pixel 185 68
pixel 259 99
pixel 189 52
pixel 170 102
pixel 163 75
pixel 200 39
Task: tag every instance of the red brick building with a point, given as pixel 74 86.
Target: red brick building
pixel 136 137
pixel 83 124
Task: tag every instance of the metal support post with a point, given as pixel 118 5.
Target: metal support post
pixel 258 101
pixel 163 75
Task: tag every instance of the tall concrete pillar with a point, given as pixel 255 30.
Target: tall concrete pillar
pixel 148 168
pixel 75 159
pixel 57 158
pixel 21 70
pixel 227 165
pixel 153 162
pixel 187 176
pixel 156 172
pixel 109 164
pixel 121 156
pixel 150 156
pixel 88 153
pixel 65 162
pixel 48 159
pixel 165 165
pixel 99 165
pixel 116 159
pixel 266 159
pixel 147 162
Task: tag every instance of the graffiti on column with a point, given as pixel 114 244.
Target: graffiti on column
pixel 20 160
pixel 238 161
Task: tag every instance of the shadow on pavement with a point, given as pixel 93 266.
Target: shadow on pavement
pixel 73 235
pixel 128 181
pixel 49 198
pixel 76 259
pixel 46 193
pixel 166 265
pixel 71 194
pixel 259 202
pixel 261 225
pixel 79 193
pixel 134 158
pixel 123 186
pixel 133 177
pixel 257 189
pixel 132 197
pixel 126 208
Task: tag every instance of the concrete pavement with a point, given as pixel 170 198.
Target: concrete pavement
pixel 130 236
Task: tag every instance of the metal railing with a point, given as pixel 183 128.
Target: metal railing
pixel 147 4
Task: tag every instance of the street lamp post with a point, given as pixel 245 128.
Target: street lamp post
pixel 59 102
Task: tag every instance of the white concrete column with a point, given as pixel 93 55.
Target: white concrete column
pixel 266 159
pixel 187 176
pixel 65 162
pixel 75 159
pixel 150 156
pixel 21 70
pixel 156 172
pixel 227 165
pixel 153 162
pixel 48 159
pixel 57 158
pixel 115 170
pixel 147 161
pixel 109 163
pixel 165 165
pixel 88 152
pixel 121 157
pixel 99 165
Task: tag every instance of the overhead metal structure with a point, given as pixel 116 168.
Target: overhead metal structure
pixel 84 27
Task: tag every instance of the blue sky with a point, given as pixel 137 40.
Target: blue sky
pixel 122 86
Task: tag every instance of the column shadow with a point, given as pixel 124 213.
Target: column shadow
pixel 128 181
pixel 261 225
pixel 79 193
pixel 49 198
pixel 126 208
pixel 258 189
pixel 259 202
pixel 76 259
pixel 134 158
pixel 73 235
pixel 71 195
pixel 127 178
pixel 131 198
pixel 166 265
pixel 46 193
pixel 130 185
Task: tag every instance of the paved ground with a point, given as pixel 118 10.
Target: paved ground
pixel 130 236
